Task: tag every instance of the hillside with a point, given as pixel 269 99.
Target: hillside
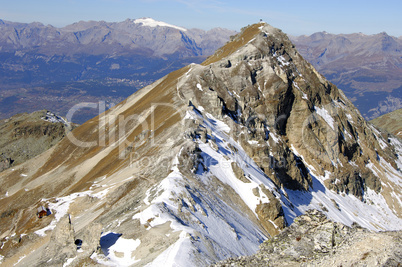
pixel 202 165
pixel 390 122
pixel 25 136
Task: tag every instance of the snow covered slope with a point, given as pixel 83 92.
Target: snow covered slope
pixel 204 164
pixel 155 23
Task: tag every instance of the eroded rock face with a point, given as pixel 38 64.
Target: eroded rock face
pixel 62 243
pixel 313 240
pixel 286 115
pixel 5 163
pixel 90 239
pixel 239 173
pixel 271 216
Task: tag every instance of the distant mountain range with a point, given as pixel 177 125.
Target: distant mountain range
pixel 368 68
pixel 144 36
pixel 56 68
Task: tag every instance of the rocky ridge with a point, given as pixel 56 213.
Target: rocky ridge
pixel 205 164
pixel 313 240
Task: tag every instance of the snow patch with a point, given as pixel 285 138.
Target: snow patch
pixel 177 254
pixel 252 142
pixel 69 261
pixel 304 94
pixel 283 61
pixel 19 260
pixel 199 87
pixel 274 137
pixel 53 118
pixel 113 245
pixel 326 116
pixel 350 118
pixel 219 125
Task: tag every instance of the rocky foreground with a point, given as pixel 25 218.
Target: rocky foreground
pixel 314 240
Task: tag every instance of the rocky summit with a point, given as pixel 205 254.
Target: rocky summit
pixel 203 165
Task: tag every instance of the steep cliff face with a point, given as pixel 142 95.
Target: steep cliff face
pixel 272 94
pixel 205 164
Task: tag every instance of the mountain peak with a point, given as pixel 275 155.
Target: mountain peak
pixel 247 35
pixel 150 22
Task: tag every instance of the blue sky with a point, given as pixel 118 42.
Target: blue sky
pixel 293 17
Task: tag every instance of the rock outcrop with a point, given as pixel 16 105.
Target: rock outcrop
pixel 62 244
pixel 314 240
pixel 271 93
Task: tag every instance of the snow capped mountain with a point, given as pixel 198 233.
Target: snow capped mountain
pixel 204 164
pixel 155 23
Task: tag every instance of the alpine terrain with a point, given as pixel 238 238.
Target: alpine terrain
pixel 204 164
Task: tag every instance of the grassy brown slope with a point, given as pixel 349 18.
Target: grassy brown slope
pixel 69 168
pixel 70 155
pixel 240 40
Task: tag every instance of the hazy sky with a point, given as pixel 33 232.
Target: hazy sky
pixel 293 17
